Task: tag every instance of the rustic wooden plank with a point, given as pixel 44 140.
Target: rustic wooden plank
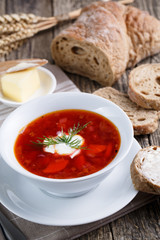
pixel 40 45
pixel 2 7
pixel 140 224
pixel 99 234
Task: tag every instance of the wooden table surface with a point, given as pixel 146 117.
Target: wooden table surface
pixel 144 223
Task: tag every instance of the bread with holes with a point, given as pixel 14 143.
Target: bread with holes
pixel 144 86
pixel 144 121
pixel 145 170
pixel 96 45
pixel 107 38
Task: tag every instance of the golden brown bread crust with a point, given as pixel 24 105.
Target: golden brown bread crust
pixel 144 34
pixel 101 32
pixel 107 38
pixel 140 179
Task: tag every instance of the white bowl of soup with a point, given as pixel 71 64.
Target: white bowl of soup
pixel 66 143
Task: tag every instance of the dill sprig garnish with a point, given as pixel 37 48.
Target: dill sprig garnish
pixel 64 138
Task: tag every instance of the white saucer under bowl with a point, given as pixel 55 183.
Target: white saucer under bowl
pixel 47 85
pixel 25 200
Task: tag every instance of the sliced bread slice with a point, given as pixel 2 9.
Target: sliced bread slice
pixel 144 121
pixel 144 86
pixel 145 170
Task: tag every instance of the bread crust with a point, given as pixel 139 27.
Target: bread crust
pixel 107 38
pixel 101 32
pixel 144 34
pixel 144 86
pixel 140 179
pixel 144 121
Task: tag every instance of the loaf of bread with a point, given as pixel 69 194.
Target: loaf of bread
pixel 144 121
pixel 145 170
pixel 144 86
pixel 107 38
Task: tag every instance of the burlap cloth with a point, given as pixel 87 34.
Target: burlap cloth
pixel 37 231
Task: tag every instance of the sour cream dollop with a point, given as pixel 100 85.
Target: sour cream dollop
pixel 65 149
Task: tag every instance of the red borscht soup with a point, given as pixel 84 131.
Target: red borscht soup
pixel 67 144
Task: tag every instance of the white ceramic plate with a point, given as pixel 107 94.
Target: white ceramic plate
pixel 47 85
pixel 28 202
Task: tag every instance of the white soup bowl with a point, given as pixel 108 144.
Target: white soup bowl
pixel 59 101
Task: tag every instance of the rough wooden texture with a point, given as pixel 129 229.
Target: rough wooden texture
pixel 145 222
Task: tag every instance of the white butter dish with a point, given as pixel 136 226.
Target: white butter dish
pixel 47 86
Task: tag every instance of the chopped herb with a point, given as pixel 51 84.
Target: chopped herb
pixel 64 138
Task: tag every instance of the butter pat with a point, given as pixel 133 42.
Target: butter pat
pixel 20 86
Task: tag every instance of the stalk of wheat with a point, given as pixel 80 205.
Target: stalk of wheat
pixel 16 28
